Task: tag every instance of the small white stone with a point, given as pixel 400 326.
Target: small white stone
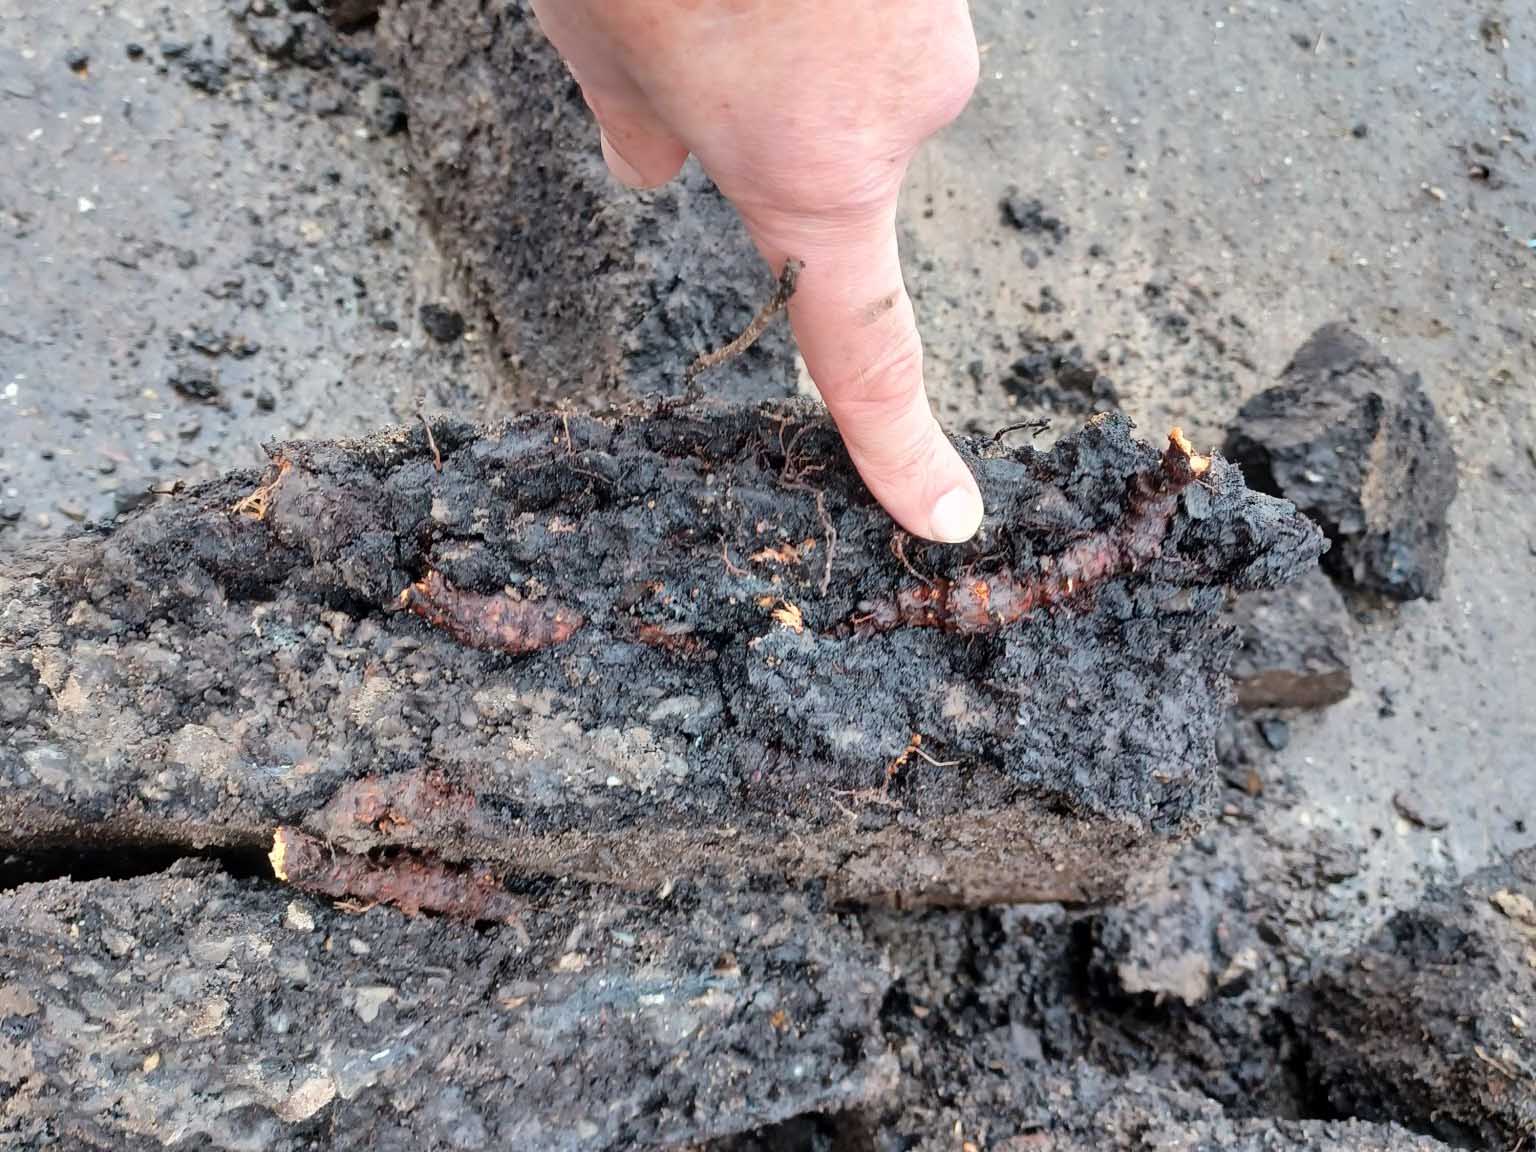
pixel 298 918
pixel 85 205
pixel 370 999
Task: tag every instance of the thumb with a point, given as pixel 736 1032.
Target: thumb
pixel 637 149
pixel 640 151
pixel 855 326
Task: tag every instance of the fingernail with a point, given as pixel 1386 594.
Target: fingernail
pixel 956 516
pixel 621 168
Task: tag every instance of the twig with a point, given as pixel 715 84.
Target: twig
pixel 437 457
pixel 1035 427
pixel 1504 1069
pixel 753 331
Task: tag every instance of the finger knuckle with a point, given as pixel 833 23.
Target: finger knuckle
pixel 962 76
pixel 953 68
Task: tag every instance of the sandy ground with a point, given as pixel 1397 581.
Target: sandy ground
pixel 143 216
pixel 1227 176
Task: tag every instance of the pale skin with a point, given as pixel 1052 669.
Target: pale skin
pixel 806 114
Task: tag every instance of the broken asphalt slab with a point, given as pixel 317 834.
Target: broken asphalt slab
pixel 662 643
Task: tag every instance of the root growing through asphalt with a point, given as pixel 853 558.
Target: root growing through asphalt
pixel 977 606
pixel 497 623
pixel 411 883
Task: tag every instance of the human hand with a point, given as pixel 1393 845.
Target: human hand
pixel 805 114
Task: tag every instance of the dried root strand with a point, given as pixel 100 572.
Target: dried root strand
pixel 496 623
pixel 411 883
pixel 254 506
pixel 437 457
pixel 754 330
pixel 678 639
pixel 978 606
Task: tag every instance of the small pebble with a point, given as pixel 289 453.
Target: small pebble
pixel 1411 809
pixel 78 59
pixel 195 382
pixel 370 999
pixel 1276 733
pixel 134 49
pixel 442 323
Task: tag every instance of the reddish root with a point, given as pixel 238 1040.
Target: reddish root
pixel 976 606
pixel 413 884
pixel 497 623
pixel 397 807
pixel 678 639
